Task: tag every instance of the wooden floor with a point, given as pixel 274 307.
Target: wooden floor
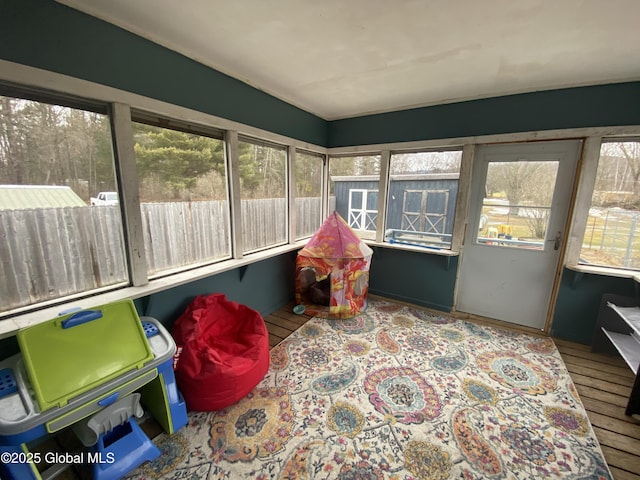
pixel 603 382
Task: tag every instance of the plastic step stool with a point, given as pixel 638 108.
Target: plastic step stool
pixel 117 443
pixel 115 414
pixel 121 450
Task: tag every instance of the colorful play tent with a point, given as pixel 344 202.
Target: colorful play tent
pixel 332 271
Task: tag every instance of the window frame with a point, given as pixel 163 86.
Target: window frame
pixel 123 108
pixel 583 194
pixel 287 192
pixel 155 120
pixel 381 187
pixel 110 112
pixel 41 82
pixel 460 211
pixel 293 219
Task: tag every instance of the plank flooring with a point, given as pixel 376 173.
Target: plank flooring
pixel 603 383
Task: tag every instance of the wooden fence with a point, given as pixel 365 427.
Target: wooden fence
pixel 264 223
pixel 184 233
pixel 54 252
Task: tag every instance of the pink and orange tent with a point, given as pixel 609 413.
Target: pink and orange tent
pixel 332 271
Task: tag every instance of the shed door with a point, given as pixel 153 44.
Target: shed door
pixel 425 210
pixel 363 209
pixel 519 206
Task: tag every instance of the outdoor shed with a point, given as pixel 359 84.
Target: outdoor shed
pixel 418 202
pixel 332 271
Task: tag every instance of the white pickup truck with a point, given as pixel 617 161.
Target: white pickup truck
pixel 105 198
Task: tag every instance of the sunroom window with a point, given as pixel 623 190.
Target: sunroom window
pixel 308 187
pixel 354 192
pixel 612 235
pixel 422 193
pixel 184 198
pixel 263 187
pixel 54 160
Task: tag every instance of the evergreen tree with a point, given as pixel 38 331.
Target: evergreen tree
pixel 176 158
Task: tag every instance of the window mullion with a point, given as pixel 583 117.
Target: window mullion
pixel 325 186
pixel 291 176
pixel 233 166
pixel 462 201
pixel 587 173
pixel 383 188
pixel 127 179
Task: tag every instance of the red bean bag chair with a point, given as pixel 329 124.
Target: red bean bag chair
pixel 222 352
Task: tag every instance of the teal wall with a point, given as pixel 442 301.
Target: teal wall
pixel 603 105
pixel 429 280
pixel 414 277
pixel 579 300
pixel 51 36
pixel 264 286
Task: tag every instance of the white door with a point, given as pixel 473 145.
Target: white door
pixel 520 199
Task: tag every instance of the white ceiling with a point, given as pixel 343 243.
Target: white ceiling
pixel 343 58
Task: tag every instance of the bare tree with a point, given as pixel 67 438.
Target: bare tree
pixel 528 186
pixel 618 179
pixel 426 162
pixel 11 145
pixel 631 153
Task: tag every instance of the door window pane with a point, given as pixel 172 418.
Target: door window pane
pixel 263 187
pixel 183 198
pixel 354 192
pixel 612 237
pixel 423 187
pixel 308 193
pixel 517 203
pixel 55 162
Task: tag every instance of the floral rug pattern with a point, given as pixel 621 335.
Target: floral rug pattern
pixel 395 393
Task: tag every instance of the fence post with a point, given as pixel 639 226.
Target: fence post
pixel 604 230
pixel 632 231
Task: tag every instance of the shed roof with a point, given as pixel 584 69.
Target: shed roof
pixel 335 239
pixel 20 197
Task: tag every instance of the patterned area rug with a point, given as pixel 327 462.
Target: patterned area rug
pixel 395 393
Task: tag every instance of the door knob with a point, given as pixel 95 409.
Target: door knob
pixel 556 241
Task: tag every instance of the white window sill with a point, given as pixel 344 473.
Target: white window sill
pixel 14 320
pixel 606 271
pixel 431 250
